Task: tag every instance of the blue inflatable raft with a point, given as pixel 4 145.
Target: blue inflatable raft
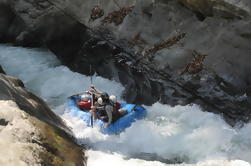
pixel 134 112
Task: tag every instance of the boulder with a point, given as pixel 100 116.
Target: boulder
pixel 30 129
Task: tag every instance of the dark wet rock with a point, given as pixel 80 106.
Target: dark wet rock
pixel 205 88
pixel 222 97
pixel 39 23
pixel 111 62
pixel 146 84
pixel 3 122
pixel 51 139
pixel 248 90
pixel 155 157
pixel 1 70
pixel 11 25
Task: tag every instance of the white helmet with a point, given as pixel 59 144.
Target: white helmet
pixel 113 98
pixel 85 97
pixel 100 101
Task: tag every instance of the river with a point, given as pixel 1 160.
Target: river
pixel 180 135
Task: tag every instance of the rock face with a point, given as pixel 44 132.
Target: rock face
pixel 223 8
pixel 31 130
pixel 8 29
pixel 38 23
pixel 163 50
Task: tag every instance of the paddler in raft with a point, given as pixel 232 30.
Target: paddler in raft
pixel 104 107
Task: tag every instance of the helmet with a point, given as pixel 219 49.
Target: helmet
pixel 100 101
pixel 85 97
pixel 104 96
pixel 113 98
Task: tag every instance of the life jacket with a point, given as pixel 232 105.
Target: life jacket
pixel 101 112
pixel 86 105
pixel 115 113
pixel 117 106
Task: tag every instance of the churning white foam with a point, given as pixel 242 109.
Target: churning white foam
pixel 167 134
pixel 41 72
pixel 96 158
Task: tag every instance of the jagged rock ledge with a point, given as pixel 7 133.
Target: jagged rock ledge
pixel 30 133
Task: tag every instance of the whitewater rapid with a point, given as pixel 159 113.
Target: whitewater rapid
pixel 181 134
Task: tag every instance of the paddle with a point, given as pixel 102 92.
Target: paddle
pixel 91 97
pixel 91 111
pixel 133 109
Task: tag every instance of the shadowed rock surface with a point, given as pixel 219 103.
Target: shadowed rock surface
pixel 223 8
pixel 151 50
pixel 1 70
pixel 30 129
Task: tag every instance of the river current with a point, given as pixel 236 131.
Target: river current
pixel 180 135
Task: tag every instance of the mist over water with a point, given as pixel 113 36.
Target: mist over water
pixel 167 135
